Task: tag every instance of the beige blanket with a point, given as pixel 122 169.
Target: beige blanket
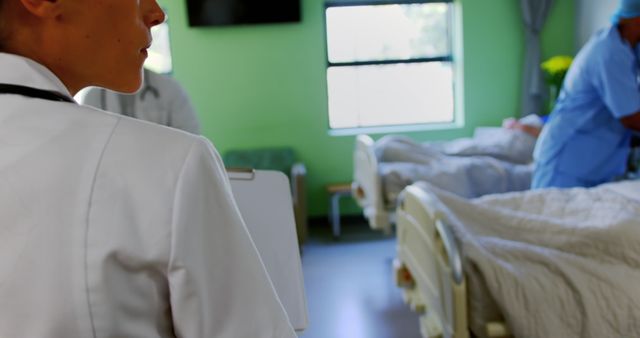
pixel 559 263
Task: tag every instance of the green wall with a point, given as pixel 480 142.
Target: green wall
pixel 265 85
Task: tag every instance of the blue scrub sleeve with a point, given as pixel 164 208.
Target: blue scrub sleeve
pixel 617 82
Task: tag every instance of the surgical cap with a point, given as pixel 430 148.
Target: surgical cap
pixel 627 9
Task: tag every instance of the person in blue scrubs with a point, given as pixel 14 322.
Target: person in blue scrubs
pixel 586 141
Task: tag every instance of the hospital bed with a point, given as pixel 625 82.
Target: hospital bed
pixel 367 185
pixel 435 278
pixel 428 268
pixel 377 183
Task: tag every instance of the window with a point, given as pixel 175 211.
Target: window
pixel 389 63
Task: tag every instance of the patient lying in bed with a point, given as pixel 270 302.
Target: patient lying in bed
pixel 494 160
pixel 557 262
pixel 513 142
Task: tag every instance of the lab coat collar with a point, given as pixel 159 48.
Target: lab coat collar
pixel 22 71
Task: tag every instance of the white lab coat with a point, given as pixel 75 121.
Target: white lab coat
pixel 161 100
pixel 115 227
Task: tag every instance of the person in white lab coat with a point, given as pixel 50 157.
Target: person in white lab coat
pixel 112 226
pixel 161 100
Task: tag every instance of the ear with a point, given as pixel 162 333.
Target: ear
pixel 43 8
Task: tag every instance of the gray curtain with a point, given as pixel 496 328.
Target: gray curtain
pixel 534 91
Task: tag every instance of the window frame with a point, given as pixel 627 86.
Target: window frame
pixel 442 58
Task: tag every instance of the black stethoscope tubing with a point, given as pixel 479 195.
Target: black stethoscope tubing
pixel 35 93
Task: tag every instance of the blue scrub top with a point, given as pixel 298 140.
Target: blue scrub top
pixel 584 143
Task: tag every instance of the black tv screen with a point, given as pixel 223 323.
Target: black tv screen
pixel 240 12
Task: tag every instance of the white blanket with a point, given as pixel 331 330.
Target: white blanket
pixel 508 145
pixel 464 176
pixel 559 263
pixel 404 161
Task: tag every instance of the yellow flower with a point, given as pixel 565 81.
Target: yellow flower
pixel 555 69
pixel 557 64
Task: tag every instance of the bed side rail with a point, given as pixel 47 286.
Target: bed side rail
pixel 428 250
pixel 367 184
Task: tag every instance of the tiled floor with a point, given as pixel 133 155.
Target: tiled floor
pixel 350 289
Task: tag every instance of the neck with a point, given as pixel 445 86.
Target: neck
pixel 55 64
pixel 35 40
pixel 630 32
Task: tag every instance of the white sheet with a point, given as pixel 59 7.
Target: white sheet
pixel 513 146
pixel 404 161
pixel 559 263
pixel 464 176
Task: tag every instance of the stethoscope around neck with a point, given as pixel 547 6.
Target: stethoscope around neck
pixel 127 101
pixel 147 87
pixel 12 89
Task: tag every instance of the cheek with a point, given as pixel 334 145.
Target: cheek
pixel 119 37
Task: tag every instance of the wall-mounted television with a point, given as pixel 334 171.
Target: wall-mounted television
pixel 241 12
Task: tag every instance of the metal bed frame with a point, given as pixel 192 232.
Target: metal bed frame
pixel 367 185
pixel 429 269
